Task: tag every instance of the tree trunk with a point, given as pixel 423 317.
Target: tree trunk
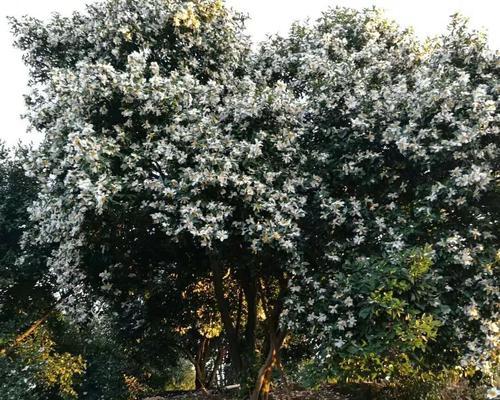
pixel 200 364
pixel 250 290
pixel 199 380
pixel 276 336
pixel 229 328
pixel 263 381
pixel 242 346
pixel 248 340
pixel 266 385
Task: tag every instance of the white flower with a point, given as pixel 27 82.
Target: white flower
pixel 341 325
pixel 333 308
pixel 358 240
pixel 105 275
pixel 493 393
pixel 221 235
pixel 85 184
pixel 299 308
pixel 472 311
pixel 466 257
pixel 295 289
pixel 348 301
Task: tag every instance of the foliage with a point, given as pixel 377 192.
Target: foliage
pixel 31 366
pixel 182 377
pixel 401 241
pixel 20 283
pixel 339 185
pixel 45 362
pixel 447 386
pixel 36 370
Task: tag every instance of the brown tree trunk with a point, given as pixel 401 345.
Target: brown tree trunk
pixel 199 380
pixel 229 328
pixel 248 338
pixel 263 381
pixel 250 290
pixel 266 385
pixel 199 364
pixel 276 336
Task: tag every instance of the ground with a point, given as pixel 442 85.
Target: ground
pixel 326 393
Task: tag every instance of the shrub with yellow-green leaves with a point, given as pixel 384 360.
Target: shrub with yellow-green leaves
pixel 35 370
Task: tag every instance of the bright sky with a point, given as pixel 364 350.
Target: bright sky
pixel 428 17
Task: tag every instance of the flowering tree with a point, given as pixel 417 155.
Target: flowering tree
pixel 344 176
pixel 152 131
pixel 402 244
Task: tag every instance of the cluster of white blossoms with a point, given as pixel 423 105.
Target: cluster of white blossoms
pixel 367 160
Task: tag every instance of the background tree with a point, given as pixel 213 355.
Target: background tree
pixel 31 365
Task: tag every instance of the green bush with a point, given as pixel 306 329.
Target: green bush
pixel 181 377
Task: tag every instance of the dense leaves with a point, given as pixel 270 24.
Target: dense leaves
pixel 403 244
pixel 334 192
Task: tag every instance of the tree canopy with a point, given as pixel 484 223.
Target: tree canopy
pixel 335 189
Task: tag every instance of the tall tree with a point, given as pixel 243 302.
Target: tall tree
pixel 153 137
pixel 403 229
pixel 341 177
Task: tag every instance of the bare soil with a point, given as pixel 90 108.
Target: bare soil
pixel 325 393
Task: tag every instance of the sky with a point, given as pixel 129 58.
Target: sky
pixel 427 17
